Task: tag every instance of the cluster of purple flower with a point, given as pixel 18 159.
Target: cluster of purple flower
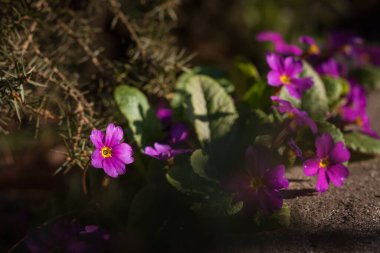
pixel 260 183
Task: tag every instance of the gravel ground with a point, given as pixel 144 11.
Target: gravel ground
pixel 343 219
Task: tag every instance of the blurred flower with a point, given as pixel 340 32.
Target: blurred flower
pixel 354 110
pixel 178 133
pixel 163 152
pixel 329 67
pixel 313 47
pixel 280 46
pixel 328 163
pixel 296 117
pixel 345 43
pixel 259 188
pixel 109 153
pixel 164 113
pixel 286 72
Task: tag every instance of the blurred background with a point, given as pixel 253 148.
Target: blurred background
pixel 214 32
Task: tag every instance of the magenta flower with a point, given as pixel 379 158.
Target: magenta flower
pixel 345 42
pixel 313 47
pixel 296 117
pixel 164 113
pixel 280 46
pixel 109 153
pixel 285 72
pixel 178 133
pixel 354 110
pixel 328 163
pixel 163 151
pixel 329 67
pixel 259 187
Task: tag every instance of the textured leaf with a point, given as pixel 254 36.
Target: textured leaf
pixel 145 127
pixel 279 219
pixel 335 88
pixel 209 108
pixel 368 75
pixel 258 95
pixel 326 127
pixel 244 75
pixel 199 163
pixel 207 196
pixel 362 143
pixel 314 101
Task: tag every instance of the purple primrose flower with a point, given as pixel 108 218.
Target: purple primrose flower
pixel 296 117
pixel 345 42
pixel 313 47
pixel 329 67
pixel 163 151
pixel 280 46
pixel 354 110
pixel 109 153
pixel 259 187
pixel 286 72
pixel 328 163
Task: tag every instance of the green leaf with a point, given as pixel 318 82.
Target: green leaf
pixel 368 75
pixel 335 89
pixel 206 196
pixel 279 219
pixel 244 75
pixel 326 127
pixel 133 104
pixel 209 108
pixel 199 163
pixel 258 95
pixel 314 101
pixel 362 143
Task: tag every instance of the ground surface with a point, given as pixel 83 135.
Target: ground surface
pixel 342 220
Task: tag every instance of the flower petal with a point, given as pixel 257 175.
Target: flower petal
pixel 311 167
pixel 292 67
pixel 150 151
pixel 97 159
pixel 123 152
pixel 324 145
pixel 304 119
pixel 162 148
pixel 275 62
pixel 179 133
pixel 294 91
pixel 337 174
pixel 270 201
pixel 322 181
pixel 276 178
pixel 274 78
pixel 109 168
pixel 339 154
pixel 97 137
pixel 114 167
pixel 114 134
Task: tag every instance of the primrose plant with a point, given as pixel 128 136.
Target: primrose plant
pixel 224 139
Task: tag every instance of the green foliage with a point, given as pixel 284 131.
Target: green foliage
pixel 258 95
pixel 368 75
pixel 208 107
pixel 279 219
pixel 315 100
pixel 244 75
pixel 362 143
pixel 335 88
pixel 205 193
pixel 326 127
pixel 145 126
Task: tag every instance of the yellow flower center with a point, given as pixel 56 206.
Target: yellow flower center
pixel 324 162
pixel 313 49
pixel 106 152
pixel 256 183
pixel 359 121
pixel 285 79
pixel 347 49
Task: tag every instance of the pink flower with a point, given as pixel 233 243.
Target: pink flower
pixel 280 46
pixel 328 163
pixel 285 72
pixel 109 153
